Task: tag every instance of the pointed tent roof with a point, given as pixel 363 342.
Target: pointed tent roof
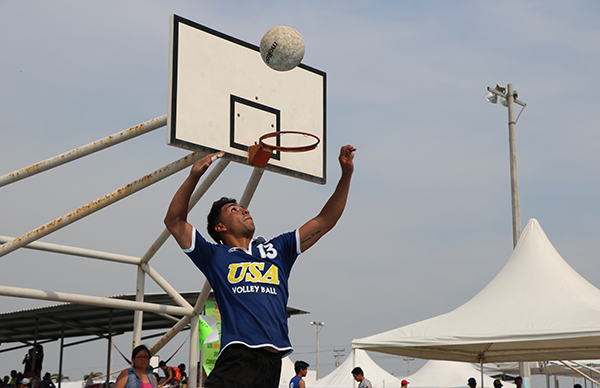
pixel 449 374
pixel 287 372
pixel 559 315
pixel 341 377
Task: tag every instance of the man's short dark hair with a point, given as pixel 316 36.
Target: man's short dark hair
pixel 299 365
pixel 357 371
pixel 518 378
pixel 214 217
pixel 162 363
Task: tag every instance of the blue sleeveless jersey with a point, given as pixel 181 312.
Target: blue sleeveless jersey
pixel 295 382
pixel 250 287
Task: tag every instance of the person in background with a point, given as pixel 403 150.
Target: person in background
pixel 519 381
pixel 35 381
pixel 47 381
pixel 184 377
pixel 359 376
pixel 169 380
pixel 140 374
pixel 13 378
pixel 301 369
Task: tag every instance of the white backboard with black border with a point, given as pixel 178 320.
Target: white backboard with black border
pixel 223 97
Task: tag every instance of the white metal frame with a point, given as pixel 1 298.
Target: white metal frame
pixel 29 240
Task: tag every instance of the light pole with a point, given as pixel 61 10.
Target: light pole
pixel 509 100
pixel 319 326
pixel 408 360
pixel 340 354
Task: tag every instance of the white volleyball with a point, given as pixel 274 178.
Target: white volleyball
pixel 282 48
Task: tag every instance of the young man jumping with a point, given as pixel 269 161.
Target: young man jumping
pixel 249 276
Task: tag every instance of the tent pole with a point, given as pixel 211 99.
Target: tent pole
pixel 481 369
pixel 353 365
pixel 525 372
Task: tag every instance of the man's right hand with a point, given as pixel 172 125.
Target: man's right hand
pixel 201 165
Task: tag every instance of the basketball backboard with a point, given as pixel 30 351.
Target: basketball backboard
pixel 222 97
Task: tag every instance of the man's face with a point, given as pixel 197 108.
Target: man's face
pixel 518 383
pixel 357 377
pixel 237 220
pixel 303 372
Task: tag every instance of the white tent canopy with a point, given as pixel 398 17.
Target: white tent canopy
pixel 287 372
pixel 341 377
pixel 559 315
pixel 449 374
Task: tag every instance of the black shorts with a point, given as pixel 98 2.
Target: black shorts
pixel 239 366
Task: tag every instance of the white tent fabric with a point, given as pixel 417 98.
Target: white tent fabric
pixel 341 377
pixel 71 384
pixel 449 374
pixel 558 315
pixel 287 372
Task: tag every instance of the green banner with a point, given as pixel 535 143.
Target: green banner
pixel 211 350
pixel 204 330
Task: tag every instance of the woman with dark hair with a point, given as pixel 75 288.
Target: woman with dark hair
pixel 140 374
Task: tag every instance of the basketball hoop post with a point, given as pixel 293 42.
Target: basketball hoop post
pixel 259 156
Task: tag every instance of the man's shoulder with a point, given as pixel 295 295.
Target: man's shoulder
pixel 283 238
pixel 366 383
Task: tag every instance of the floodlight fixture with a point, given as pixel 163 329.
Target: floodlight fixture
pixel 499 93
pixel 491 97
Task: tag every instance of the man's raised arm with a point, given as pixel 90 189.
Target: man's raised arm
pixel 176 218
pixel 314 229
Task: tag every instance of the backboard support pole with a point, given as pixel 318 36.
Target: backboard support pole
pixel 251 186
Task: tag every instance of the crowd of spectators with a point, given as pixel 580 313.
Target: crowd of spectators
pixel 32 370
